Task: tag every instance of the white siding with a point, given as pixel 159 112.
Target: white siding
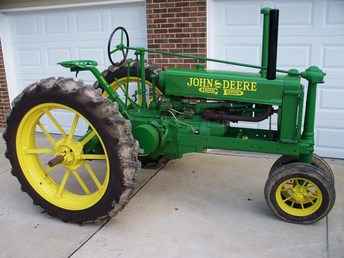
pixel 311 32
pixel 40 39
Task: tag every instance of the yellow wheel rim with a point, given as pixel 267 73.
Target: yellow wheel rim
pixel 74 184
pixel 130 84
pixel 299 197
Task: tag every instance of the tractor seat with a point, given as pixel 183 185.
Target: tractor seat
pixel 78 64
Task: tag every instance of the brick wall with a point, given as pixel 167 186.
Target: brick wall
pixel 4 100
pixel 176 26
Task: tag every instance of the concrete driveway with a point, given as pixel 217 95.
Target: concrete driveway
pixel 204 205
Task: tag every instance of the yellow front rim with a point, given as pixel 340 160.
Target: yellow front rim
pixel 74 184
pixel 299 197
pixel 131 84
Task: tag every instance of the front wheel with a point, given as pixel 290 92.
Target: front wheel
pixel 71 150
pixel 316 161
pixel 299 193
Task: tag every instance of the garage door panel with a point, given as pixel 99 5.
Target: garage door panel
pixel 234 15
pixel 242 53
pixel 41 39
pixel 293 55
pixel 311 32
pixel 29 57
pixel 90 21
pixel 330 152
pixel 57 23
pixel 132 19
pixel 334 56
pixel 55 55
pixel 25 25
pixel 93 53
pixel 330 118
pixel 332 98
pixel 230 19
pixel 302 14
pixel 334 13
pixel 334 78
pixel 330 138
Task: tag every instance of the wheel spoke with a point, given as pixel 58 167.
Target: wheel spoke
pixel 48 169
pixel 81 182
pixel 54 121
pixel 93 156
pixel 310 186
pixel 46 133
pixel 287 199
pixel 114 51
pixel 63 183
pixel 298 182
pixel 305 183
pixel 39 151
pixel 87 138
pixel 73 127
pixel 92 174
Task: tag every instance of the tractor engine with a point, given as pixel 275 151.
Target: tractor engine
pixel 215 97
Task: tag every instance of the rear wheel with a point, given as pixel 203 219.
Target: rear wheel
pixel 125 78
pixel 299 193
pixel 71 150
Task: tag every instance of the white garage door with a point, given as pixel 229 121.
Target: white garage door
pixel 310 32
pixel 40 39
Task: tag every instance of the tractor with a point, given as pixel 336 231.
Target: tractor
pixel 75 148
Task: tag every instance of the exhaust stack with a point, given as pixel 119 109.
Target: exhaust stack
pixel 270 38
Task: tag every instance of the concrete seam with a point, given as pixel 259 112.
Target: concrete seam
pixel 327 240
pixel 107 221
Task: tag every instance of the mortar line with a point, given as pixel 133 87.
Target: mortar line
pixel 107 220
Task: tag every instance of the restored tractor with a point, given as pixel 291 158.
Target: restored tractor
pixel 75 149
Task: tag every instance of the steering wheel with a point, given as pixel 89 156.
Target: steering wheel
pixel 122 46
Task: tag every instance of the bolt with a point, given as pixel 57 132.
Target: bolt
pixel 55 161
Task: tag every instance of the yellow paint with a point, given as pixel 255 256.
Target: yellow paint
pixel 299 197
pixel 228 87
pixel 38 174
pixel 121 83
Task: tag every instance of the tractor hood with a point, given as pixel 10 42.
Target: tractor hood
pixel 225 85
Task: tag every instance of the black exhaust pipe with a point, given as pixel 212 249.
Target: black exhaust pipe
pixel 272 49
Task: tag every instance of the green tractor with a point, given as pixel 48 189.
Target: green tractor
pixel 75 149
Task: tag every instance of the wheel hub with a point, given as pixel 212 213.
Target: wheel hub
pixel 299 194
pixel 71 151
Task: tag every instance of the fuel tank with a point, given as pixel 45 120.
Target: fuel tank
pixel 225 85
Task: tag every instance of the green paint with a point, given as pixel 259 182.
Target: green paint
pixel 172 125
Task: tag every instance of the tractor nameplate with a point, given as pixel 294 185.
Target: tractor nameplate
pixel 224 87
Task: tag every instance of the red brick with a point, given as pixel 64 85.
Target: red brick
pixel 4 99
pixel 176 26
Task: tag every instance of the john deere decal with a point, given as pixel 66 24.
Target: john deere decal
pixel 229 87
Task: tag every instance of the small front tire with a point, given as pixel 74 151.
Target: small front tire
pixel 316 161
pixel 299 193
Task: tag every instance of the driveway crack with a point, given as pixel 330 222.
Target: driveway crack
pixel 107 221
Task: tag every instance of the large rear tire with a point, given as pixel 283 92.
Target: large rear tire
pixel 118 78
pixel 81 192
